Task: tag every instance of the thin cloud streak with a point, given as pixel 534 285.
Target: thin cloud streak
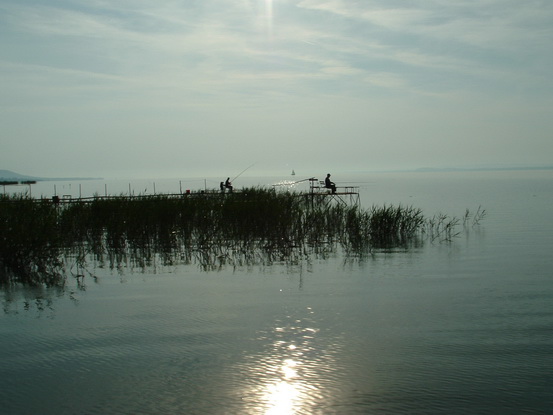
pixel 211 46
pixel 217 45
pixel 297 72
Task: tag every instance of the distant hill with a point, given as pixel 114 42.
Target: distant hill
pixel 8 175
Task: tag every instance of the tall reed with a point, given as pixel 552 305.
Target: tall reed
pixel 42 241
pixel 29 240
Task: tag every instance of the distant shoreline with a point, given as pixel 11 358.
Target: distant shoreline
pixel 10 176
pixel 66 179
pixel 459 169
pixel 7 175
pixel 468 169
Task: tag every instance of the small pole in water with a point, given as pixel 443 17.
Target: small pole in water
pixel 129 189
pixel 106 189
pixel 154 188
pixel 80 192
pixel 180 186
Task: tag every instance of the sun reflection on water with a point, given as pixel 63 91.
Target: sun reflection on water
pixel 284 396
pixel 285 184
pixel 291 373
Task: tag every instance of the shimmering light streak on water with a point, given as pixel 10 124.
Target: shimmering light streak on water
pixel 296 363
pixel 285 184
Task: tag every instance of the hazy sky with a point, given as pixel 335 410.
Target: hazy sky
pixel 167 88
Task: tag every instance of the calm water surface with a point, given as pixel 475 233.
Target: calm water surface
pixel 454 328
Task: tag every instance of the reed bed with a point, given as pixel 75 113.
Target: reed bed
pixel 42 242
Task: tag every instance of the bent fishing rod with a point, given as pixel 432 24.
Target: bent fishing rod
pixel 243 171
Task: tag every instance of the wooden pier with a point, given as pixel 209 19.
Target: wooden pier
pixel 347 195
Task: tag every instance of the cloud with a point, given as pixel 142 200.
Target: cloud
pixel 222 44
pixel 386 80
pixel 299 72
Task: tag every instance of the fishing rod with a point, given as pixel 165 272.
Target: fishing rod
pixel 304 180
pixel 243 171
pixel 292 183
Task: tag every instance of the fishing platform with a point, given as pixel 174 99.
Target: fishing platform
pixel 347 195
pixel 317 191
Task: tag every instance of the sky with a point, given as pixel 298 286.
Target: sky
pixel 181 88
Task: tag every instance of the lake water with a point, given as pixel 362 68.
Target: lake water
pixel 457 328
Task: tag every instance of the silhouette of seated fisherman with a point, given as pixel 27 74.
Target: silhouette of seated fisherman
pixel 228 185
pixel 329 184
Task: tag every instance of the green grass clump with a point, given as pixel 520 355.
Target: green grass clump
pixel 41 241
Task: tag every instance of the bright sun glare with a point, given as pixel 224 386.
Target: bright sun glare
pixel 285 382
pixel 283 396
